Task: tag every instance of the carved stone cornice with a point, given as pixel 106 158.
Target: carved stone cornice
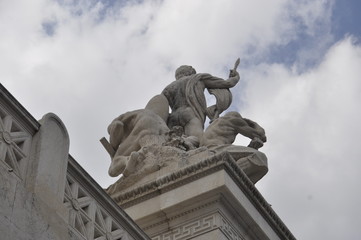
pixel 170 181
pixel 222 161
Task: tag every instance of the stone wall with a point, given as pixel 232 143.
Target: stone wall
pixel 44 193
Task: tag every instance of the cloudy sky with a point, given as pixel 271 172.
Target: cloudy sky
pixel 89 61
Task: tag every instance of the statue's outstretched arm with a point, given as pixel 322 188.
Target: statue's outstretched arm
pixel 216 82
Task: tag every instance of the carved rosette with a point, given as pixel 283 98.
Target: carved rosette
pixel 14 145
pixel 86 217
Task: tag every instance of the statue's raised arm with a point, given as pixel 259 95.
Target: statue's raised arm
pixel 223 95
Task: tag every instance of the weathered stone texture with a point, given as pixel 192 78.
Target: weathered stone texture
pixel 22 215
pixel 34 173
pixel 213 196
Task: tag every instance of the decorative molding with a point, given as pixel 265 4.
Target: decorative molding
pixel 229 230
pixel 199 226
pixel 14 145
pixel 17 126
pixel 170 181
pixel 183 230
pixel 257 199
pixel 171 218
pixel 93 215
pixel 190 229
pixel 86 217
pixel 199 170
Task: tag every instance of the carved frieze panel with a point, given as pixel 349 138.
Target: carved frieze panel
pixel 199 226
pixel 14 145
pixel 227 228
pixel 87 218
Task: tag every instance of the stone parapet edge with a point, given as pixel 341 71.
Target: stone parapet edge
pixel 198 170
pixel 10 105
pixel 16 109
pixel 104 200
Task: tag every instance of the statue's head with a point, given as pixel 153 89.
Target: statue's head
pixel 184 70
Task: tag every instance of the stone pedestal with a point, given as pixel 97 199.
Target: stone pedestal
pixel 212 199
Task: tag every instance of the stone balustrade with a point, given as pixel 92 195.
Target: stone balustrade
pixel 44 193
pixel 92 214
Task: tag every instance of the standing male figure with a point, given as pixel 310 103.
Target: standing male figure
pixel 186 98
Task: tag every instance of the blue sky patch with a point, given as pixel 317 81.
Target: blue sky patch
pixel 346 19
pixel 49 27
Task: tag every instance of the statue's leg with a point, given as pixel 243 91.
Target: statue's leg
pixel 159 105
pixel 194 128
pixel 117 166
pixel 116 130
pixel 128 145
pixel 133 161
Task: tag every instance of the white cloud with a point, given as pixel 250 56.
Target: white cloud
pixel 100 62
pixel 312 122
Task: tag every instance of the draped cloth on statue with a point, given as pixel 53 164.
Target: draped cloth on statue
pixel 197 101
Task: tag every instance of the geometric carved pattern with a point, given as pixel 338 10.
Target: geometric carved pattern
pixel 199 226
pixel 190 229
pixel 86 218
pixel 228 230
pixel 14 145
pixel 205 167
